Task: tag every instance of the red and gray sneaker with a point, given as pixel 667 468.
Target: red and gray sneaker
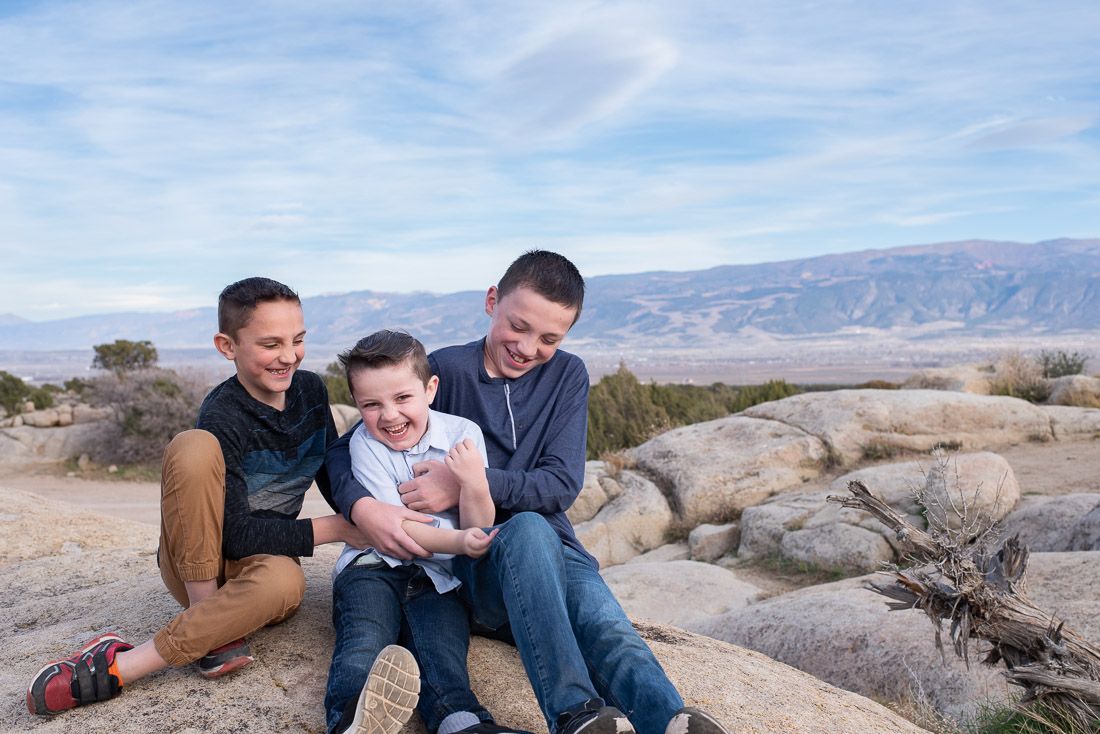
pixel 225 659
pixel 80 679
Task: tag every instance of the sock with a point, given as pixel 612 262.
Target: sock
pixel 112 669
pixel 457 721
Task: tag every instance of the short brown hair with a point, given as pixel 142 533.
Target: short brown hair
pixel 547 273
pixel 238 300
pixel 386 348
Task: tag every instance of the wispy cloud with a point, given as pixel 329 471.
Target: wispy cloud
pixel 150 152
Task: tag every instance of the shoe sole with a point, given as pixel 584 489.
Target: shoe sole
pixel 36 699
pixel 227 667
pixel 389 695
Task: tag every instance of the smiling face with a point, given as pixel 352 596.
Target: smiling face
pixel 525 330
pixel 267 350
pixel 393 402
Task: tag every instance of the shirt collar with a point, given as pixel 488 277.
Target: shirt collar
pixel 435 437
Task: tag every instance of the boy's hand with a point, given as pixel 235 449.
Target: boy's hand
pixel 465 461
pixel 380 524
pixel 475 542
pixel 434 488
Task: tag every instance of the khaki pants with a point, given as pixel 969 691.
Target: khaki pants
pixel 252 592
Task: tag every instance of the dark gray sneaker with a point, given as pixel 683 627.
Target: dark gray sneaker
pixel 490 727
pixel 602 720
pixel 690 720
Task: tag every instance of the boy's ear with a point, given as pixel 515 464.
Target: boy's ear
pixel 224 344
pixel 431 387
pixel 492 298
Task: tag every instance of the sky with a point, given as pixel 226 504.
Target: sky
pixel 152 152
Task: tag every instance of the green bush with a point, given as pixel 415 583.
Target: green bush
pixel 42 397
pixel 13 392
pixel 337 385
pixel 124 356
pixel 149 407
pixel 76 385
pixel 623 412
pixel 1061 364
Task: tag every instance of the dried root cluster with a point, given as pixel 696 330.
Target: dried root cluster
pixel 964 578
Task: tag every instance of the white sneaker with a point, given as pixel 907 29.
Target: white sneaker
pixel 389 695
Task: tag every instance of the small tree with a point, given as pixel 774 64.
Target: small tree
pixel 124 356
pixel 337 384
pixel 13 392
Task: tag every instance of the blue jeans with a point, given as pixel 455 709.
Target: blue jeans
pixel 575 641
pixel 375 606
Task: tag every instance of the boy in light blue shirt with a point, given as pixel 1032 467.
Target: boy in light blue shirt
pixel 379 600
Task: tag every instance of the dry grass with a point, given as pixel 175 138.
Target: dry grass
pixel 1019 376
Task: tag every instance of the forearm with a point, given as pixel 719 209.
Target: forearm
pixel 436 540
pixel 330 529
pixel 475 506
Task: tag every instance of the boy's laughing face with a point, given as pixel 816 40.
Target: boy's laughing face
pixel 525 330
pixel 267 350
pixel 393 402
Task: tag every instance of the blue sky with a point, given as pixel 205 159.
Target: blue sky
pixel 151 152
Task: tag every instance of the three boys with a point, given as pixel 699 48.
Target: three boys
pixel 585 662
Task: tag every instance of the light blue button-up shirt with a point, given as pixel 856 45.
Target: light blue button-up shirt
pixel 381 469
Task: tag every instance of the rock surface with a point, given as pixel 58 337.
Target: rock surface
pixel 855 422
pixel 714 470
pixel 809 529
pixel 708 543
pixel 1047 524
pixel 1067 422
pixel 70 574
pixel 636 520
pixel 1082 391
pixel 24 445
pixel 684 594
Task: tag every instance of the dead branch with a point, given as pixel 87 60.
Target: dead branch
pixel 957 579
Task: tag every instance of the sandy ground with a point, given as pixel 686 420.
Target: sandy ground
pixel 138 501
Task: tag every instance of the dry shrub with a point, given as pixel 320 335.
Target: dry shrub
pixel 616 461
pixel 149 407
pixel 1019 376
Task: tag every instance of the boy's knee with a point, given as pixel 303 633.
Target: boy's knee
pixel 193 450
pixel 281 586
pixel 528 527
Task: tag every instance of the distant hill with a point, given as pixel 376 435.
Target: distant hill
pixel 9 319
pixel 984 288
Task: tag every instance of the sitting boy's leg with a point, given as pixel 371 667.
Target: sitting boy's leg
pixel 623 668
pixel 436 629
pixel 522 580
pixel 258 590
pixel 366 613
pixel 192 507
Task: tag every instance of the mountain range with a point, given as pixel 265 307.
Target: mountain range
pixel 978 287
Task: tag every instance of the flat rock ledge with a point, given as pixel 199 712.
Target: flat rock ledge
pixel 69 574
